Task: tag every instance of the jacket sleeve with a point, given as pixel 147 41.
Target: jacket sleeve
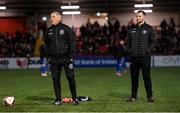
pixel 72 38
pixel 152 40
pixel 46 44
pixel 128 41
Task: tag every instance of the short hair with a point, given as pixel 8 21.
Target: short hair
pixel 141 11
pixel 56 12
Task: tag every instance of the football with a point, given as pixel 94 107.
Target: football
pixel 9 101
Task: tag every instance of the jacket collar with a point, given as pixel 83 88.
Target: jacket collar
pixel 57 24
pixel 144 24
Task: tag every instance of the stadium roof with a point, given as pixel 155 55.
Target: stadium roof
pixel 88 6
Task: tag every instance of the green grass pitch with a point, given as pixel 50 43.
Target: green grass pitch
pixel 34 93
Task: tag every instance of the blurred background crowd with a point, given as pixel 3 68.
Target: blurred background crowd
pixel 93 39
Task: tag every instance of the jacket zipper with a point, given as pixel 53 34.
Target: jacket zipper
pixel 57 42
pixel 139 29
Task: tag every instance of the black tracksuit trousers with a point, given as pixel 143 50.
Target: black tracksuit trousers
pixel 56 65
pixel 137 64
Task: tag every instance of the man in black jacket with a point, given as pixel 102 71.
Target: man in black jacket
pixel 59 47
pixel 140 41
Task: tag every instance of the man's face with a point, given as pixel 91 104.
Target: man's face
pixel 55 18
pixel 140 17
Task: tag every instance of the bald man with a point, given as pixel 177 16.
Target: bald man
pixel 59 47
pixel 140 41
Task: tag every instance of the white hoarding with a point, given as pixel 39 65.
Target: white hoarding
pixel 165 61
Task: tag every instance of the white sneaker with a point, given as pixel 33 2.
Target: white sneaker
pixel 119 74
pixel 44 74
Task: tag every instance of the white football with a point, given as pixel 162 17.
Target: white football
pixel 9 101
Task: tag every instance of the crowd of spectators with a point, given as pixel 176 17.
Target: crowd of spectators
pixel 99 40
pixel 94 40
pixel 168 38
pixel 16 45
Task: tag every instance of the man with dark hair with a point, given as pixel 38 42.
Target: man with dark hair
pixel 140 41
pixel 59 47
pixel 140 11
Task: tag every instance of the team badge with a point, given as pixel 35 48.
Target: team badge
pixel 70 66
pixel 144 31
pixel 61 31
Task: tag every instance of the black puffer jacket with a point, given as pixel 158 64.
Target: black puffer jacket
pixel 59 41
pixel 140 40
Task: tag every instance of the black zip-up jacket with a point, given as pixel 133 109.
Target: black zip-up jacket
pixel 59 41
pixel 140 40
